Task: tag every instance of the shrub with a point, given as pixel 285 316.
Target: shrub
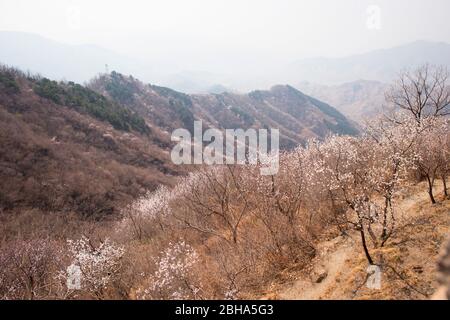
pixel 88 101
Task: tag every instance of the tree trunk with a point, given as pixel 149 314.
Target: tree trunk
pixel 385 218
pixel 444 183
pixel 235 235
pixel 430 190
pixel 364 244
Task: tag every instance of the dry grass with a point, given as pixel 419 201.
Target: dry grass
pixel 409 259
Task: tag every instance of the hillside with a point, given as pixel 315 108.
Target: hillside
pixel 93 149
pixel 164 109
pixel 66 148
pixel 297 115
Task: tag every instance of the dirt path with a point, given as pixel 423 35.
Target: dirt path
pixel 329 267
pixel 329 264
pixel 411 198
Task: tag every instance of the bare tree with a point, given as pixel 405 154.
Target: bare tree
pixel 433 153
pixel 28 269
pixel 444 169
pixel 423 92
pixel 218 201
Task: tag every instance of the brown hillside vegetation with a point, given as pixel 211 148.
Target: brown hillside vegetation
pixel 297 116
pixel 67 148
pixel 228 232
pixel 55 158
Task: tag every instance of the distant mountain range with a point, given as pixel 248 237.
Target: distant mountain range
pixel 58 61
pixel 81 62
pixel 358 100
pixel 355 85
pixel 379 65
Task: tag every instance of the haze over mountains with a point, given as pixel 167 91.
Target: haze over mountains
pixel 58 61
pixel 359 100
pixel 80 63
pixel 379 65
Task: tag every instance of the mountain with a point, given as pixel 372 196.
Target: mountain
pixel 297 115
pixel 93 149
pixel 80 63
pixel 66 148
pixel 57 60
pixel 357 100
pixel 196 82
pixel 379 65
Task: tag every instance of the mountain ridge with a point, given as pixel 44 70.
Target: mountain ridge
pixel 378 65
pixel 297 115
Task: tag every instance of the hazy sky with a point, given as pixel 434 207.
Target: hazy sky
pixel 213 34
